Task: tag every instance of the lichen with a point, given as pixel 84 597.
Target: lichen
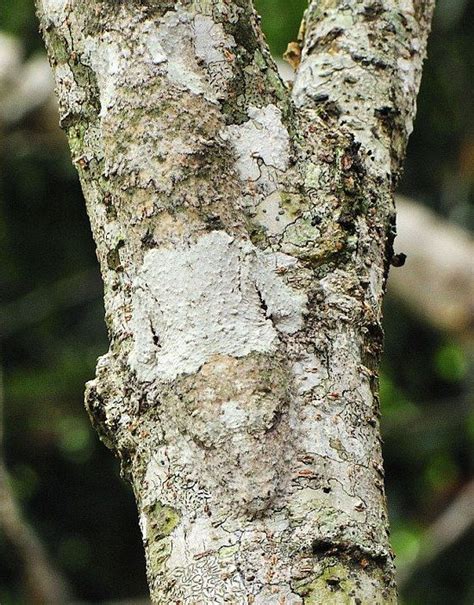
pixel 218 296
pixel 241 228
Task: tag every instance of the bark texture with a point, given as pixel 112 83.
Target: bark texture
pixel 244 232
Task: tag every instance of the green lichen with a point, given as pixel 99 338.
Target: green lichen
pixel 161 520
pixel 260 60
pixel 340 584
pixel 332 587
pixel 165 519
pixel 313 175
pixel 315 245
pixel 76 135
pixel 293 203
pixel 228 551
pixel 159 552
pixel 279 88
pixel 258 235
pixel 57 47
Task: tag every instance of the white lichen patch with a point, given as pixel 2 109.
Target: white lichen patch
pixel 376 280
pixel 176 32
pixel 309 373
pixel 218 296
pixel 283 306
pixel 55 10
pixel 272 216
pixel 262 139
pixel 156 474
pixel 233 416
pixel 214 48
pixel 325 75
pixel 338 500
pixel 190 45
pixel 277 594
pixel 193 539
pixel 211 40
pixel 198 39
pixel 108 60
pixel 152 43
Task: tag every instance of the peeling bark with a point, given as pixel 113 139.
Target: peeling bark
pixel 244 232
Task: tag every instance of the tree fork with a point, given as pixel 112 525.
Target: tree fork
pixel 242 230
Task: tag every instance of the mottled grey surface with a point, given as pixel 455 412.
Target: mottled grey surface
pixel 244 232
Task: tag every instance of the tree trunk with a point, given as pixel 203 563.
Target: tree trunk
pixel 244 232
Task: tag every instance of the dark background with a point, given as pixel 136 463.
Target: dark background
pixel 65 481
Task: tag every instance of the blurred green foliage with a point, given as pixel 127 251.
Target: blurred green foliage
pixel 281 21
pixel 67 483
pixel 18 17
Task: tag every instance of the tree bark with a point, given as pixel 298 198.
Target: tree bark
pixel 244 233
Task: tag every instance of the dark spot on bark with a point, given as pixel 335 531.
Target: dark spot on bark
pixel 155 336
pixel 276 420
pixel 110 210
pixel 331 109
pixel 244 34
pixel 392 127
pixel 346 220
pixel 263 304
pixel 125 456
pixel 403 19
pixel 352 552
pixel 398 260
pixel 113 260
pixel 320 98
pixel 372 11
pixel 250 577
pixel 386 112
pixel 147 240
pixel 391 234
pixel 321 547
pixel 334 583
pixel 352 151
pixel 366 61
pixel 95 405
pixel 327 40
pixel 214 222
pixel 143 403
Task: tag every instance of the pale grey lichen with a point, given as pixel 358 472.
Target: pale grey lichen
pixel 272 215
pixel 217 296
pixel 263 137
pixel 55 10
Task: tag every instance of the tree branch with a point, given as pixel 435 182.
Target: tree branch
pixel 43 584
pixel 243 243
pixel 437 281
pixel 361 64
pixel 24 86
pixel 445 531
